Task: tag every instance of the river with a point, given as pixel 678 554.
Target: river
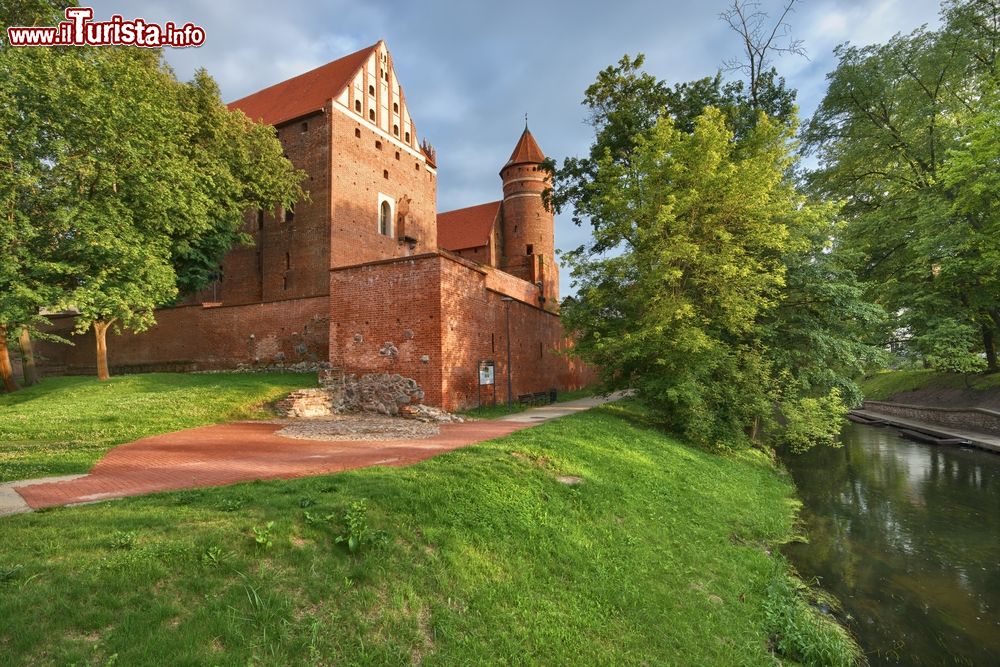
pixel 907 536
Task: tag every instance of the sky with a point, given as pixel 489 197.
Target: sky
pixel 471 69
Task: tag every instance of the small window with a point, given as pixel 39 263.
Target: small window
pixel 493 342
pixel 385 219
pixel 407 137
pixel 284 283
pixel 357 133
pixel 378 144
pixel 395 130
pixel 531 249
pixel 289 214
pixel 397 155
pixel 386 75
pixel 260 220
pixel 540 355
pixel 371 115
pixel 357 105
pixel 385 173
pixel 417 166
pixel 305 127
pixel 371 90
pixel 288 261
pixel 395 107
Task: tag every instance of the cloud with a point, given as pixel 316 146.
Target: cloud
pixel 471 70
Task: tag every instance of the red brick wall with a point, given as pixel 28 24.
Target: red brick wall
pixel 446 309
pixel 196 338
pixel 395 302
pixel 289 260
pixel 359 170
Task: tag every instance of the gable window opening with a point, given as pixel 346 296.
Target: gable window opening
pixel 407 137
pixel 371 90
pixel 357 105
pixel 385 219
pixel 371 115
pixel 395 130
pixel 395 107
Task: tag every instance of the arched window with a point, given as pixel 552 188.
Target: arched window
pixel 395 130
pixel 385 219
pixel 357 105
pixel 371 115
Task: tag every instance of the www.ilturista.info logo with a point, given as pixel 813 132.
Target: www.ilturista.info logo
pixel 79 30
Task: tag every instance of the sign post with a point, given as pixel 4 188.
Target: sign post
pixel 487 378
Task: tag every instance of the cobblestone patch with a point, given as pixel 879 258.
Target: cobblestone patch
pixel 359 427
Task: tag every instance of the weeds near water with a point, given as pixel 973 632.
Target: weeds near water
pixel 801 632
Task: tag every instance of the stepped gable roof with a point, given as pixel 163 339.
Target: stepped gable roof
pixel 467 227
pixel 305 93
pixel 527 150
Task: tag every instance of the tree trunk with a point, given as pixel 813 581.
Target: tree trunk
pixel 27 358
pixel 6 369
pixel 990 346
pixel 100 334
pixel 995 316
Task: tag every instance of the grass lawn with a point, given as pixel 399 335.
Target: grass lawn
pixel 661 556
pixel 64 425
pixel 886 384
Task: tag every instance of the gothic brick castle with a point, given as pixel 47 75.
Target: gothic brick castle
pixel 367 275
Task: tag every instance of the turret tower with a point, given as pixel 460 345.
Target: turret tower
pixel 528 226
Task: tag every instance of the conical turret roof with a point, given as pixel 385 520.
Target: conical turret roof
pixel 527 150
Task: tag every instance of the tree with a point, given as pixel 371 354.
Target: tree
pixel 687 311
pixel 140 183
pixel 894 119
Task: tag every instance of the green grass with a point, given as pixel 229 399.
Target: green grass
pixel 501 410
pixel 64 425
pixel 661 556
pixel 889 383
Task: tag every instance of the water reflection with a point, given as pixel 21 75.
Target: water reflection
pixel 907 535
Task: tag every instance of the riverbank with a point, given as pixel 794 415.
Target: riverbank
pixel 592 539
pixel 929 387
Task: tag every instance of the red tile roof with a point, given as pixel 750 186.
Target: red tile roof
pixel 304 93
pixel 526 151
pixel 467 227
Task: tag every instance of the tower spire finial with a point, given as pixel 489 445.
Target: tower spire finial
pixel 526 120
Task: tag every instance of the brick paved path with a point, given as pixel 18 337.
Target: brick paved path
pixel 230 453
pixel 244 451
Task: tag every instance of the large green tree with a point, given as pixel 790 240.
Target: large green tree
pixel 129 185
pixel 710 284
pixel 903 137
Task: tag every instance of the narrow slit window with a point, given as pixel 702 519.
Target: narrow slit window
pixel 260 220
pixel 371 90
pixel 378 144
pixel 357 133
pixel 531 249
pixel 357 105
pixel 385 173
pixel 395 107
pixel 288 261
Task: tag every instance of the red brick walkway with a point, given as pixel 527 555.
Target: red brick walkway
pixel 230 453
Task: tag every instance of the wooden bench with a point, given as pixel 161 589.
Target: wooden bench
pixel 537 398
